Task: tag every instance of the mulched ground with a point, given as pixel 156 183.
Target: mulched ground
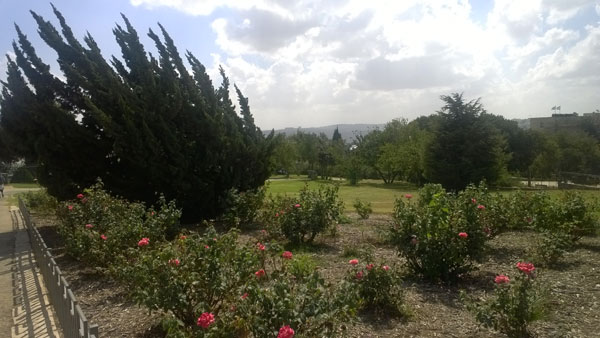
pixel 573 287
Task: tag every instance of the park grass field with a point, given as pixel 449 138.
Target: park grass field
pixel 381 196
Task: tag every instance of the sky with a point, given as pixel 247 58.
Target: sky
pixel 312 63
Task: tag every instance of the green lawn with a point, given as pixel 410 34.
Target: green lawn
pixel 381 196
pixel 25 185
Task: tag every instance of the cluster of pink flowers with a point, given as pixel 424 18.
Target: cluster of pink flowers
pixel 502 279
pixel 175 262
pixel 287 255
pixel 206 319
pixel 526 268
pixel 353 261
pixel 286 332
pixel 385 267
pixel 144 241
pixel 259 273
pixel 260 246
pixel 463 235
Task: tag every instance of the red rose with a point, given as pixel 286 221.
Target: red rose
pixel 259 273
pixel 206 319
pixel 463 235
pixel 144 241
pixel 286 255
pixel 353 261
pixel 502 279
pixel 286 332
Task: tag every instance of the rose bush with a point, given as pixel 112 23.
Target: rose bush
pixel 516 302
pixel 97 228
pixel 442 234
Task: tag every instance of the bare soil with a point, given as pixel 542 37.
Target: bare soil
pixel 573 287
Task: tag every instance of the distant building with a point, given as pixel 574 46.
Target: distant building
pixel 558 122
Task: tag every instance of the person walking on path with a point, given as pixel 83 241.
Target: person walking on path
pixel 1 186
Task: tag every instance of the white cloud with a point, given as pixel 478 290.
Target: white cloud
pixel 315 62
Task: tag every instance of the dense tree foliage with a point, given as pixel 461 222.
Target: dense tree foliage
pixel 142 123
pixel 465 147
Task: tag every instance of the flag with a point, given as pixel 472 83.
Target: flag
pixel 554 108
pixel 558 108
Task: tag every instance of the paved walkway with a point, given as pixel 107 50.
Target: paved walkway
pixel 24 307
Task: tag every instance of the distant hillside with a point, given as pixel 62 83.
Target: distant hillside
pixel 348 131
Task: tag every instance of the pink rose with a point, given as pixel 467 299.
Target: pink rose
pixel 297 205
pixel 206 247
pixel 502 279
pixel 84 200
pixel 526 268
pixel 385 267
pixel 103 237
pixel 206 319
pixel 260 246
pixel 89 226
pixel 408 196
pixel 182 237
pixel 481 207
pixel 144 241
pixel 353 261
pixel 463 235
pixel 259 273
pixel 174 262
pixel 70 207
pixel 369 267
pixel 287 255
pixel 245 295
pixel 276 214
pixel 286 332
pixel 474 201
pixel 359 275
pixel 79 196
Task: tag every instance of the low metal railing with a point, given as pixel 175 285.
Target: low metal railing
pixel 72 320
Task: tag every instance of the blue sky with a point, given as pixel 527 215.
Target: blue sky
pixel 309 63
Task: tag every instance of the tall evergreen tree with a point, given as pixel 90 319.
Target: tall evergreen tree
pixel 142 123
pixel 465 148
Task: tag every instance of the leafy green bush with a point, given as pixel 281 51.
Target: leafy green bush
pixel 441 234
pixel 243 207
pixel 514 305
pixel 22 175
pixel 216 286
pixel 363 209
pixel 190 275
pixel 300 219
pixel 39 201
pixel 97 228
pixel 378 286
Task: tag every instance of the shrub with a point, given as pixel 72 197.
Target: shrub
pixel 97 228
pixel 300 219
pixel 378 286
pixel 234 289
pixel 442 234
pixel 516 303
pixel 190 275
pixel 22 175
pixel 243 207
pixel 39 201
pixel 363 209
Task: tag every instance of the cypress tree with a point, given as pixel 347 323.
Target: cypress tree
pixel 144 124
